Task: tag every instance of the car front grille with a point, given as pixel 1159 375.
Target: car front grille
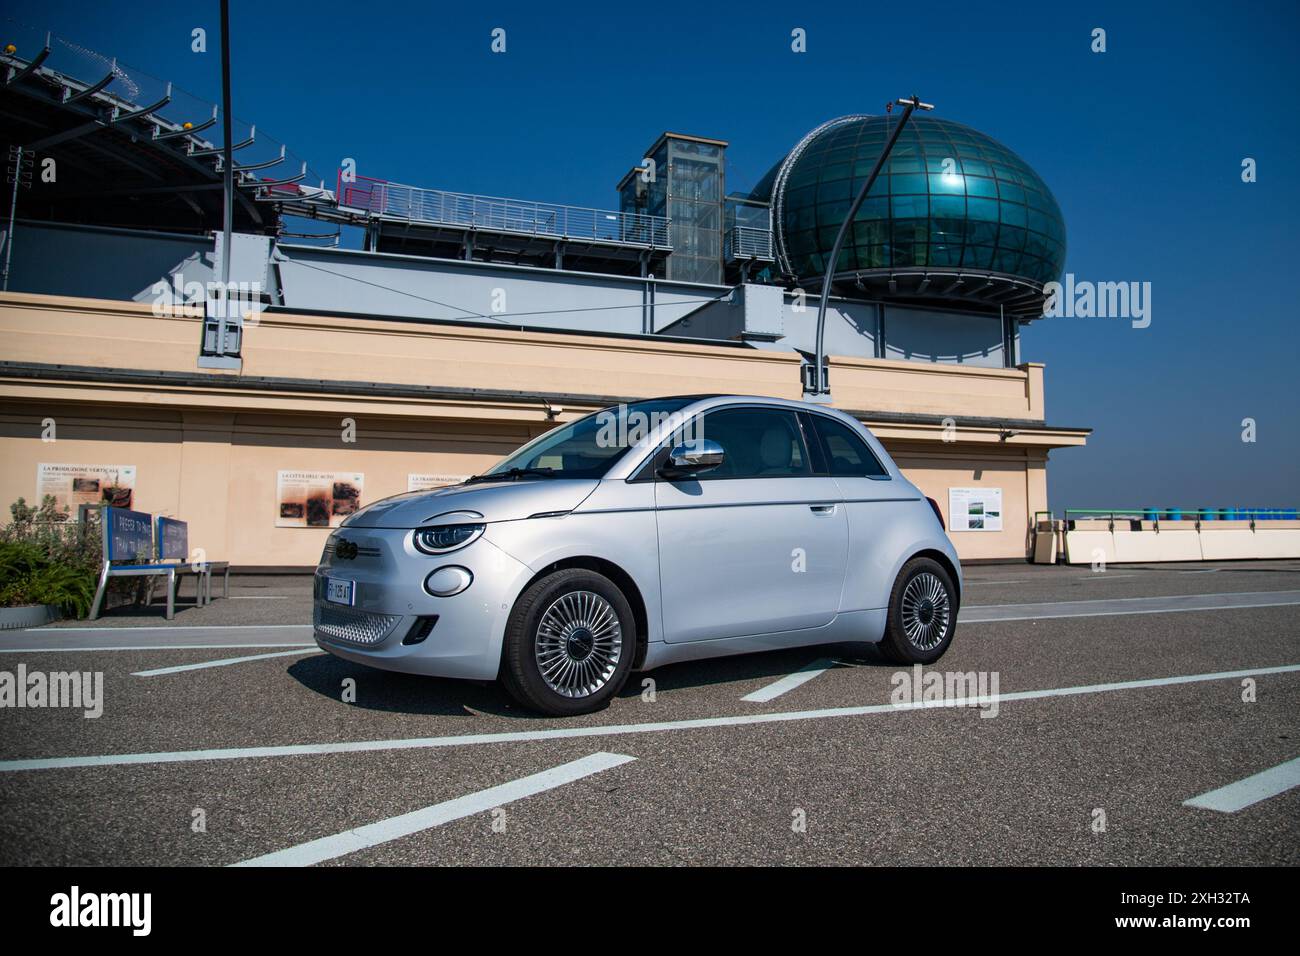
pixel 353 626
pixel 363 550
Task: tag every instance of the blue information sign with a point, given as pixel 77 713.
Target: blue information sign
pixel 173 539
pixel 128 535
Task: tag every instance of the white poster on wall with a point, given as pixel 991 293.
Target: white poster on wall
pixel 974 509
pixel 428 482
pixel 73 485
pixel 316 499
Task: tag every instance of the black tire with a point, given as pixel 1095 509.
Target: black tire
pixel 928 578
pixel 521 673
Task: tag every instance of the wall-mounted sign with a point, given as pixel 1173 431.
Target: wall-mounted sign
pixel 316 499
pixel 974 509
pixel 427 482
pixel 73 485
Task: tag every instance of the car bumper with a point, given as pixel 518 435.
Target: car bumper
pixel 390 606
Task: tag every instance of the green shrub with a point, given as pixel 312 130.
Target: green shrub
pixel 47 559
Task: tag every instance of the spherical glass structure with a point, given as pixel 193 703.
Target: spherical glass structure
pixel 949 200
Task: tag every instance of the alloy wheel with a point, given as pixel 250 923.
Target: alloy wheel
pixel 926 611
pixel 579 643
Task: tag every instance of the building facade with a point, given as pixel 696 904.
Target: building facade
pixel 465 325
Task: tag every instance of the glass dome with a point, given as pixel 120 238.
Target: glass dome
pixel 950 199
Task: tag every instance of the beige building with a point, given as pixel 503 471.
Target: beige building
pixel 399 336
pixel 102 382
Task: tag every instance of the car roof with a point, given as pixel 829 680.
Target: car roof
pixel 703 403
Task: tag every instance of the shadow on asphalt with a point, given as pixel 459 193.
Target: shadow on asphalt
pixel 157 610
pixel 391 692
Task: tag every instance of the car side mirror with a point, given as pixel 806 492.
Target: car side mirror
pixel 693 457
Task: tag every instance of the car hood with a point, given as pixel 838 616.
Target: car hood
pixel 494 500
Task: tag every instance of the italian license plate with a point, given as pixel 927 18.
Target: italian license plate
pixel 338 591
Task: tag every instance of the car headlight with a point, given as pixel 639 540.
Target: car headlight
pixel 446 537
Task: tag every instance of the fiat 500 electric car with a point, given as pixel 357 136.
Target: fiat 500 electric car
pixel 648 533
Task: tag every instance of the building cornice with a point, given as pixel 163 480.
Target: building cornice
pixel 208 386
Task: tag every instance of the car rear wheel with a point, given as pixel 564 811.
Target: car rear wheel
pixel 922 614
pixel 569 643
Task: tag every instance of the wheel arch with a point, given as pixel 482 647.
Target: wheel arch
pixel 946 563
pixel 625 583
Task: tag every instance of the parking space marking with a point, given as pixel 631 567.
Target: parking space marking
pixel 157 638
pixel 361 838
pixel 790 681
pixel 142 647
pixel 1253 789
pixel 612 730
pixel 221 662
pixel 171 627
pixel 1107 607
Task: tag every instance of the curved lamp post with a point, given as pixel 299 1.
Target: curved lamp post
pixel 821 387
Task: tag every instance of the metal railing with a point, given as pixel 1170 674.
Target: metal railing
pixel 521 217
pixel 1134 516
pixel 748 242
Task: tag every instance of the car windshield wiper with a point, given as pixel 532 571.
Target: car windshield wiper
pixel 513 474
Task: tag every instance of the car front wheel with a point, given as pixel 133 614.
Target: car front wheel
pixel 922 614
pixel 569 643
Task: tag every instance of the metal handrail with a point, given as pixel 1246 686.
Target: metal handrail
pixel 1265 513
pixel 1197 515
pixel 749 242
pixel 498 214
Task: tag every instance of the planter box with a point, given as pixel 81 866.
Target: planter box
pixel 29 615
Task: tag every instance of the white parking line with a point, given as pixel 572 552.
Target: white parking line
pixel 143 647
pixel 157 637
pixel 568 733
pixel 222 662
pixel 350 841
pixel 1109 607
pixel 790 681
pixel 1253 789
pixel 171 627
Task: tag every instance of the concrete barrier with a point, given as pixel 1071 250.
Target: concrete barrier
pixel 1130 541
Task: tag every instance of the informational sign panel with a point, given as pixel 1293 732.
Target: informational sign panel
pixel 426 482
pixel 316 499
pixel 128 535
pixel 974 509
pixel 173 539
pixel 73 485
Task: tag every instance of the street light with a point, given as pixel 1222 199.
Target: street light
pixel 820 388
pixel 217 317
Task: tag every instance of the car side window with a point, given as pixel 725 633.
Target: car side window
pixel 848 456
pixel 758 442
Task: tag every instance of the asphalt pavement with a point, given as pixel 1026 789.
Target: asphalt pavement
pixel 1098 706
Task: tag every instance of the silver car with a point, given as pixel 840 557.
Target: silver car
pixel 659 531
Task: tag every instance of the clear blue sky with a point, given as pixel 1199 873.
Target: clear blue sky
pixel 1142 145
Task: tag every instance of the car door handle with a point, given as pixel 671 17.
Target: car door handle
pixel 822 509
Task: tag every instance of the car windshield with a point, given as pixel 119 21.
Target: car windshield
pixel 589 447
